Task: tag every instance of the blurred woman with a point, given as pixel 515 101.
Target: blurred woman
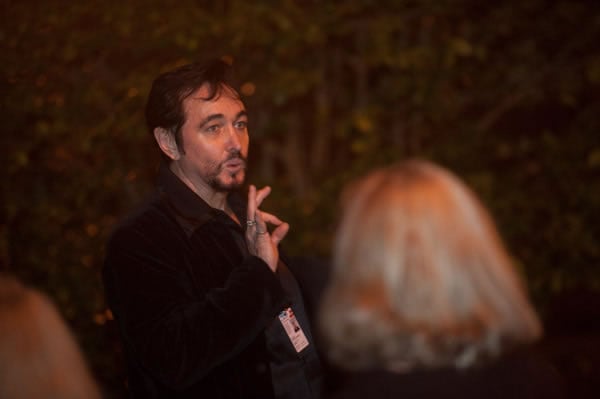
pixel 39 358
pixel 424 300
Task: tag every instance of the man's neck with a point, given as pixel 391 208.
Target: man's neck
pixel 216 199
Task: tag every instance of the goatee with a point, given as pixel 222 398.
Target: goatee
pixel 237 178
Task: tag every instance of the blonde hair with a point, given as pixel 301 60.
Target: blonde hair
pixel 39 358
pixel 421 277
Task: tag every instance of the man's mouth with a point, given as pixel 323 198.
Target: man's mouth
pixel 234 164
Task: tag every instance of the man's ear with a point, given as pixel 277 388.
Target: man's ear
pixel 166 142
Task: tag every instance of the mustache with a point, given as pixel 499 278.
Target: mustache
pixel 236 155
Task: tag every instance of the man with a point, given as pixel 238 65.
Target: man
pixel 205 306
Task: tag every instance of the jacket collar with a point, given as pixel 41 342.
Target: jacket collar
pixel 190 206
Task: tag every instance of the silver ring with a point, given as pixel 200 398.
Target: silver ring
pixel 251 223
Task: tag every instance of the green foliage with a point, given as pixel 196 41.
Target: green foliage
pixel 504 93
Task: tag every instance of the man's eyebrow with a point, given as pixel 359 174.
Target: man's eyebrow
pixel 211 118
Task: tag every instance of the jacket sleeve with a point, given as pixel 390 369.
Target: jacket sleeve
pixel 180 316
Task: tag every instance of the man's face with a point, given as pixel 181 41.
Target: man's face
pixel 215 141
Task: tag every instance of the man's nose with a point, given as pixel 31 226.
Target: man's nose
pixel 233 139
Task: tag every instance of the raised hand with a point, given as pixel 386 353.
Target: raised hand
pixel 261 242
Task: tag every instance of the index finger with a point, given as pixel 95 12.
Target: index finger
pixel 262 194
pixel 251 203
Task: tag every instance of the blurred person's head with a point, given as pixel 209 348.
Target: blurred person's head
pixel 39 357
pixel 421 277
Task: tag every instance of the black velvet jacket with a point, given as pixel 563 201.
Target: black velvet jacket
pixel 190 305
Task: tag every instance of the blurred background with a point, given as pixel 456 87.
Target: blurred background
pixel 506 94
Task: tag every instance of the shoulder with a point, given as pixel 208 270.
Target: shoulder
pixel 520 374
pixel 529 370
pixel 367 384
pixel 146 225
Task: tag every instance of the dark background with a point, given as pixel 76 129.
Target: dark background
pixel 506 94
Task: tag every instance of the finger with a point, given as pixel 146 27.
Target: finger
pixel 261 225
pixel 261 195
pixel 279 233
pixel 270 218
pixel 251 202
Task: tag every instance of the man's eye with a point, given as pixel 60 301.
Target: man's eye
pixel 212 128
pixel 241 125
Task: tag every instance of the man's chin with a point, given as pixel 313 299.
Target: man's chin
pixel 232 183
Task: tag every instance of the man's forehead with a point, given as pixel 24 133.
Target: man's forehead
pixel 203 92
pixel 199 98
